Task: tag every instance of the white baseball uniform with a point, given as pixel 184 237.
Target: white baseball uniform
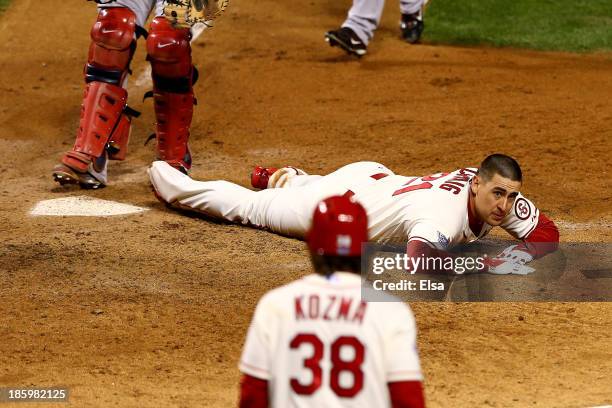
pixel 364 15
pixel 432 208
pixel 319 345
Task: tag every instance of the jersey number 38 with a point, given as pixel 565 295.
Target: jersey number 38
pixel 338 365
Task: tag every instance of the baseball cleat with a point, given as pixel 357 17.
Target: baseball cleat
pixel 63 175
pixel 95 177
pixel 412 27
pixel 260 176
pixel 346 39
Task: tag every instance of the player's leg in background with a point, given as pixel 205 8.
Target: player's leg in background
pixel 358 29
pixel 169 51
pixel 411 23
pixel 364 17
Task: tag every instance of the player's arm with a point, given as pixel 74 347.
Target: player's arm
pixel 418 249
pixel 253 392
pixel 406 394
pixel 254 362
pixel 544 238
pixel 538 233
pixel 403 369
pixel 425 241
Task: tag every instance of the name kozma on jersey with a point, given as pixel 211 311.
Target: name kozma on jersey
pixel 330 307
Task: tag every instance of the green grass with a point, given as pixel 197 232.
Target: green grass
pixel 4 4
pixel 564 25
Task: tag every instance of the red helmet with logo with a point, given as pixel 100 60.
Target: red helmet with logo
pixel 339 227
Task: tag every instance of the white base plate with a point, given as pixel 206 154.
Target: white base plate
pixel 83 206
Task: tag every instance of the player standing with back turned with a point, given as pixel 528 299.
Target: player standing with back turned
pixel 315 343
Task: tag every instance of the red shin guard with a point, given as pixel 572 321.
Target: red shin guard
pixel 174 112
pixel 169 52
pixel 101 112
pixel 118 142
pixel 103 119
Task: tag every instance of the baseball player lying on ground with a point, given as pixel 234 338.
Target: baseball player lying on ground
pixel 431 214
pixel 315 343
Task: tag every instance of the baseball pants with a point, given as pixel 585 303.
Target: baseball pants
pixel 286 211
pixel 364 16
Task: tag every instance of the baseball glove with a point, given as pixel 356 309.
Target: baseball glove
pixel 186 13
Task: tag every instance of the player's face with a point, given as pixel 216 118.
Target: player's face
pixel 494 198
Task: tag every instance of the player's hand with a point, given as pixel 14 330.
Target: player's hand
pixel 281 177
pixel 511 260
pixel 186 13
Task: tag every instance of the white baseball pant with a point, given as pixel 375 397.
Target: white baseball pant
pixel 364 16
pixel 286 211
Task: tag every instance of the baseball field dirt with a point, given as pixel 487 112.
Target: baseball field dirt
pixel 152 309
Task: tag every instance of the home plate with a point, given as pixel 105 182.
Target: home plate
pixel 83 206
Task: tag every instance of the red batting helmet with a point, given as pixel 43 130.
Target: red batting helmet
pixel 339 227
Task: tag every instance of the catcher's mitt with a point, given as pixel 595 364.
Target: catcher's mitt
pixel 186 13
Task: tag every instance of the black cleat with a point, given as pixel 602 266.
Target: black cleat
pixel 346 39
pixel 95 177
pixel 63 175
pixel 412 27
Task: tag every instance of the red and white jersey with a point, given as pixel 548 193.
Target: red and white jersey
pixel 319 345
pixel 433 208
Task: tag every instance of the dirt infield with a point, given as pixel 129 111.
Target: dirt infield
pixel 152 309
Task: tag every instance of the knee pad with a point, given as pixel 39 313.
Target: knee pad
pixel 112 45
pixel 169 52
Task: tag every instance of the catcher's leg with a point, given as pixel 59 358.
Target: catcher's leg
pixel 169 52
pixel 105 118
